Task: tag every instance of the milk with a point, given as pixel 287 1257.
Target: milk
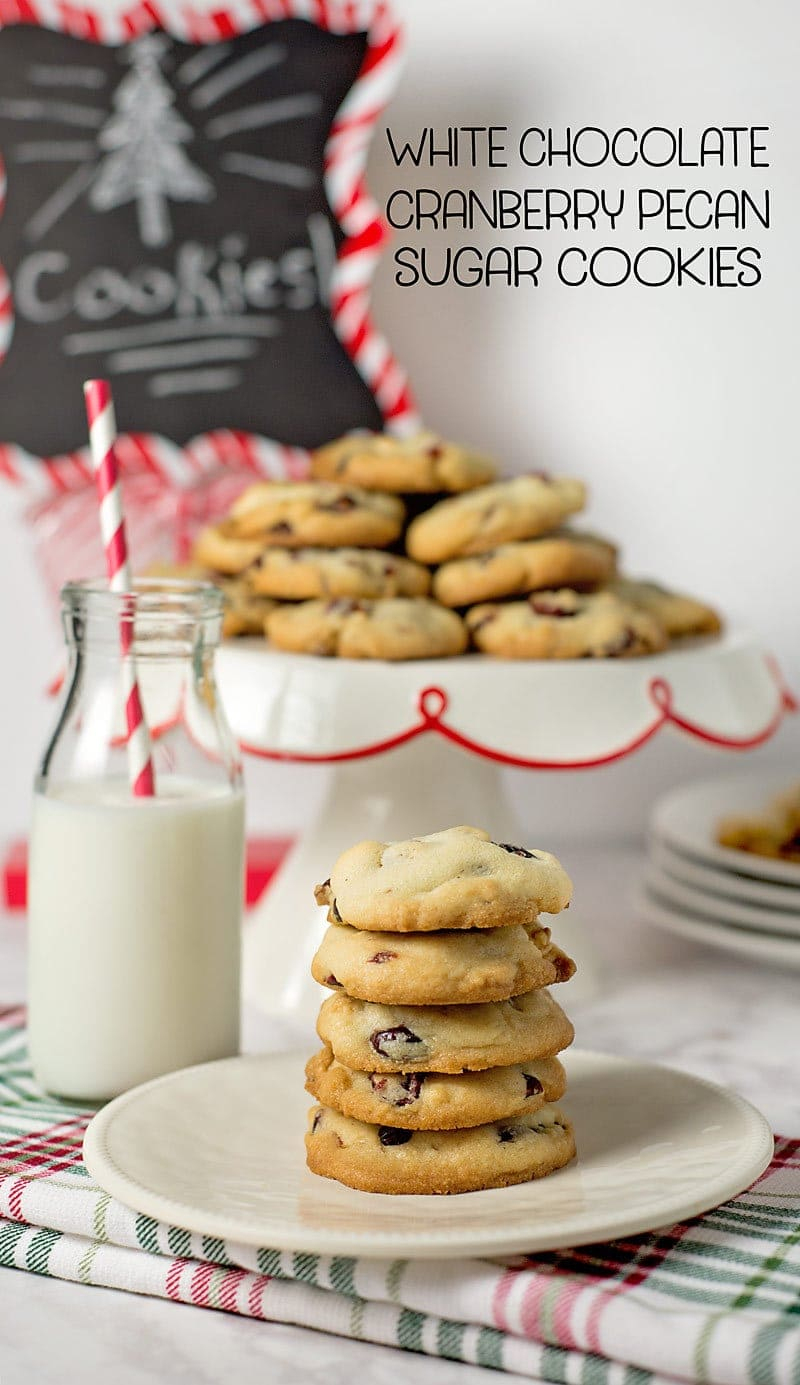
pixel 134 916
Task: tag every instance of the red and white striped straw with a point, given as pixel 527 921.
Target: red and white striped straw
pixel 102 437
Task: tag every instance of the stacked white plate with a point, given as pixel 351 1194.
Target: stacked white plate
pixel 713 894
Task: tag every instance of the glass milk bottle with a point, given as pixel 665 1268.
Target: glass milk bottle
pixel 135 902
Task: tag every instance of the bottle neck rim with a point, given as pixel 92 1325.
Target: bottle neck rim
pixel 161 615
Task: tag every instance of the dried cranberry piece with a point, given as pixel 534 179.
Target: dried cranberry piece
pixel 398 1089
pixel 533 1086
pixel 388 1135
pixel 507 1134
pixel 411 1082
pixel 341 505
pixel 382 957
pixel 331 980
pixel 400 1035
pixel 516 850
pixel 546 606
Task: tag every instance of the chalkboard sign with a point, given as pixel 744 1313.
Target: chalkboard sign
pixel 168 224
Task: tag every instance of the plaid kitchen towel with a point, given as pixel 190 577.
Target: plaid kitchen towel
pixel 715 1300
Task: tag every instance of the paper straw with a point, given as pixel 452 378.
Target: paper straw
pixel 102 437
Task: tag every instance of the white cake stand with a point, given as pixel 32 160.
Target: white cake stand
pixel 444 729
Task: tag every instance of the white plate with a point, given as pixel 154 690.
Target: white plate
pixel 712 880
pixel 218 1150
pixel 687 819
pixel 732 913
pixel 765 948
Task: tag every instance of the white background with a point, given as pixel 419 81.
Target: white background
pixel 678 406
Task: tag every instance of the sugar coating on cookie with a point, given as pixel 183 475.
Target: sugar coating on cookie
pixel 680 615
pixel 565 625
pixel 435 1101
pixel 444 1038
pixel 390 628
pixel 443 968
pixel 421 463
pixel 300 514
pixel 302 574
pixel 458 878
pixel 521 508
pixel 385 1159
pixel 563 559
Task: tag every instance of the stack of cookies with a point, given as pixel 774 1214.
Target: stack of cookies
pixel 405 548
pixel 439 1070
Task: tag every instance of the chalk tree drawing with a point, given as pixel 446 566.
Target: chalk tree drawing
pixel 145 162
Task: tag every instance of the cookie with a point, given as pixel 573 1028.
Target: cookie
pixel 443 1038
pixel 288 514
pixel 391 628
pixel 299 574
pixel 244 612
pixel 563 559
pixel 453 968
pixel 775 832
pixel 435 1101
pixel 384 1159
pixel 565 625
pixel 422 463
pixel 522 508
pixel 680 615
pixel 458 878
pixel 221 548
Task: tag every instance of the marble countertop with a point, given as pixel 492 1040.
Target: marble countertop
pixel 639 992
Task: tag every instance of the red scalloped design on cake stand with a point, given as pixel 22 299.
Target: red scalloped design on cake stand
pixel 433 703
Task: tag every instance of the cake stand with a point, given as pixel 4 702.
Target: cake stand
pixel 418 746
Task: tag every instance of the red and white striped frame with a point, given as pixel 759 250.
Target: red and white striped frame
pixel 364 230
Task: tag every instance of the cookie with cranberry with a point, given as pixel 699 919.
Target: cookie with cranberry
pixel 434 1100
pixel 422 463
pixel 443 1038
pixel 389 628
pixel 302 514
pixel 565 625
pixel 221 548
pixel 522 508
pixel 680 615
pixel 458 878
pixel 563 559
pixel 385 1159
pixel 301 574
pixel 452 968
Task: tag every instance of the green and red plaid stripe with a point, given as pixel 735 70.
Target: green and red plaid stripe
pixel 716 1300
